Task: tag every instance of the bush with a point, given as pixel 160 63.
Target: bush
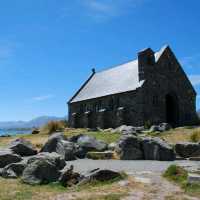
pixel 54 126
pixel 176 173
pixel 195 137
pixel 147 124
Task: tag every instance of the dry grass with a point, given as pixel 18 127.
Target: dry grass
pixel 179 134
pixel 15 189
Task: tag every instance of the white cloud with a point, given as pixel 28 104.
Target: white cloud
pixel 43 98
pixel 191 61
pixel 106 9
pixel 195 79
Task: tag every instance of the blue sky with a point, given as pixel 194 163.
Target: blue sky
pixel 48 47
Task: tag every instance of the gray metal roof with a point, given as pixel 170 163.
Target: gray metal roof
pixel 115 80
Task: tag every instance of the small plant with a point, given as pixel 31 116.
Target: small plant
pixel 195 137
pixel 176 173
pixel 147 124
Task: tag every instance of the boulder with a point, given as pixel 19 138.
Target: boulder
pixel 22 147
pixel 112 146
pixel 157 149
pixel 74 138
pixel 154 128
pixel 188 149
pixel 89 143
pixel 125 130
pixel 51 144
pixel 54 158
pixel 56 143
pixel 164 127
pixel 7 157
pixel 13 170
pixel 43 168
pixel 106 155
pixel 101 175
pixel 68 177
pixel 129 148
pixel 35 131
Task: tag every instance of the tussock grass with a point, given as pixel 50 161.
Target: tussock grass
pixel 195 136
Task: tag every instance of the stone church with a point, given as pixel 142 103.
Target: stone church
pixel 154 89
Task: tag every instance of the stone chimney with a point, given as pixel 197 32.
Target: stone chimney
pixel 146 59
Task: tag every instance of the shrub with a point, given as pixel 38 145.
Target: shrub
pixel 147 124
pixel 53 126
pixel 195 137
pixel 176 173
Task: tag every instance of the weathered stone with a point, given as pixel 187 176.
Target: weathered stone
pixel 106 155
pixel 75 138
pixel 13 170
pixel 22 147
pixel 188 149
pixel 193 178
pixel 129 148
pixel 35 132
pixel 157 149
pixel 56 143
pixel 154 128
pixel 7 157
pixel 101 175
pixel 112 146
pixel 164 127
pixel 54 158
pixel 43 168
pixel 51 144
pixel 68 177
pixel 125 130
pixel 89 143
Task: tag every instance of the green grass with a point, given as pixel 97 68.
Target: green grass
pixel 179 175
pixel 107 137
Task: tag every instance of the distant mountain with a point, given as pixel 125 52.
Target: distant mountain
pixel 37 122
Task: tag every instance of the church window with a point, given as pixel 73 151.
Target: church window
pixel 155 100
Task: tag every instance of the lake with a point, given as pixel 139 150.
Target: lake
pixel 14 132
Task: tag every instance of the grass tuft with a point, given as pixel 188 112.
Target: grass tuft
pixel 195 136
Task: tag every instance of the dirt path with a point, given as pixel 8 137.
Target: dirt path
pixel 157 188
pixel 141 186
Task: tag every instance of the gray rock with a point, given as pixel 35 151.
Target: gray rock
pixel 188 149
pixel 51 144
pixel 88 143
pixel 35 131
pixel 101 175
pixel 13 170
pixel 125 130
pixel 22 147
pixel 67 149
pixel 68 177
pixel 106 155
pixel 57 143
pixel 74 138
pixel 112 146
pixel 193 178
pixel 43 168
pixel 164 127
pixel 129 148
pixel 7 157
pixel 154 128
pixel 54 158
pixel 157 149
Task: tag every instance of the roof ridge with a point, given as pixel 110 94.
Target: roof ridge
pixel 116 66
